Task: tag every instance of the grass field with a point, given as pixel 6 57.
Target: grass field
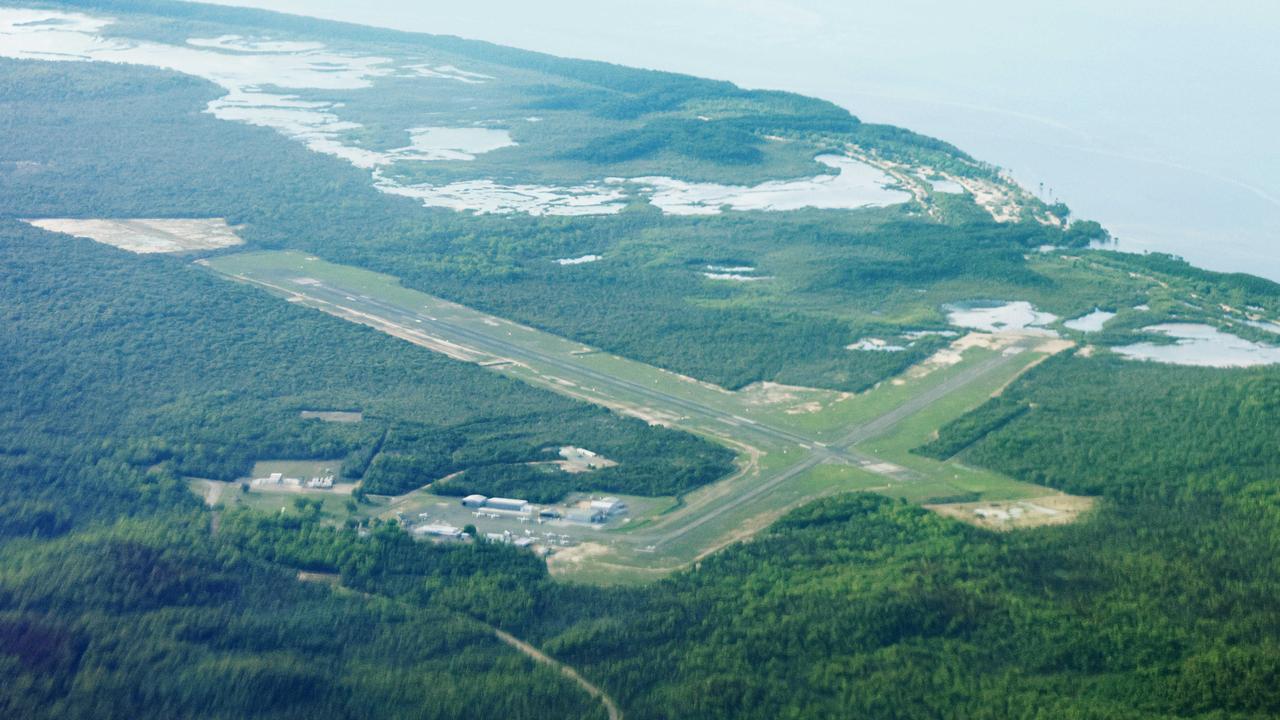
pixel 794 444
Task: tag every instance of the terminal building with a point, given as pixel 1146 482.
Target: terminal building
pixel 497 504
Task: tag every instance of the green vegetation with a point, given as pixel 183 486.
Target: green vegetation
pixel 858 605
pixel 156 620
pixel 125 372
pixel 206 379
pixel 545 483
pixel 971 428
pixel 719 142
pixel 653 460
pixel 777 428
pixel 1130 429
pixel 1163 604
pixel 120 595
pixel 535 483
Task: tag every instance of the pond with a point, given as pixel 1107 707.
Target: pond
pixel 1092 322
pixel 1000 317
pixel 1202 346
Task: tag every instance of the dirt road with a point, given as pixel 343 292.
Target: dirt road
pixel 334 581
pixel 541 657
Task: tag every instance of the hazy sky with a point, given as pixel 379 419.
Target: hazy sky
pixel 1155 117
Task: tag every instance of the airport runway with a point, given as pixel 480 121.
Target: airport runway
pixel 344 301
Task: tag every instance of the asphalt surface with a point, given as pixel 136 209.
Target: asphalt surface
pixel 840 451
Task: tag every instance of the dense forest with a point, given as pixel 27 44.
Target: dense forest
pixel 154 619
pixel 122 375
pixel 1153 431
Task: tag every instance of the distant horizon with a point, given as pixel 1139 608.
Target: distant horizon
pixel 1124 113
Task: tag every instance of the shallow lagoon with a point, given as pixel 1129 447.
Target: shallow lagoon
pixel 854 185
pixel 950 187
pixel 1019 315
pixel 487 196
pixel 1092 322
pixel 449 143
pixel 580 260
pixel 1202 346
pixel 1267 325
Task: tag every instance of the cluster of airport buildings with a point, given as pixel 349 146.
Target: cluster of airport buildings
pixel 594 511
pixel 319 482
pixel 588 512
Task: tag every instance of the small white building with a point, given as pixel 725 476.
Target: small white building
pixel 474 501
pixel 444 531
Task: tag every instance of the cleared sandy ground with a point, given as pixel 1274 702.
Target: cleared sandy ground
pixel 337 416
pixel 147 235
pixel 1058 509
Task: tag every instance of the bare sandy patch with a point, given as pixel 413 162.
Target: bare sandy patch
pixel 331 579
pixel 1053 347
pixel 581 460
pixel 1049 348
pixel 768 393
pixel 650 415
pixel 804 408
pixel 147 235
pixel 884 468
pixel 1000 202
pixel 337 416
pixel 954 353
pixel 1060 509
pixel 802 399
pixel 567 559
